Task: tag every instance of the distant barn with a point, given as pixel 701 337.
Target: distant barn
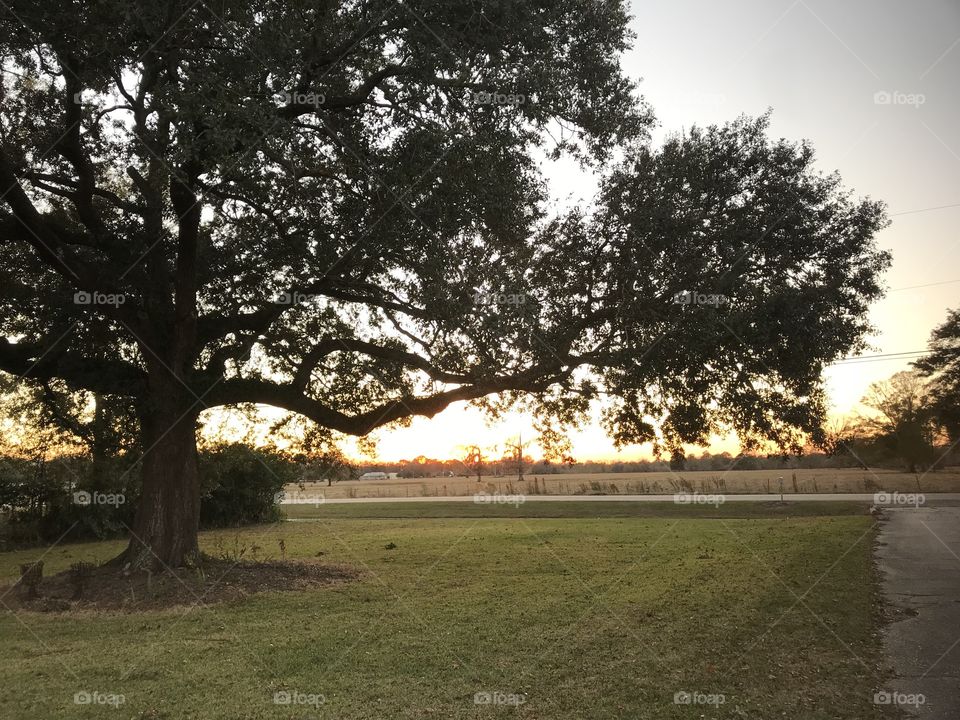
pixel 374 476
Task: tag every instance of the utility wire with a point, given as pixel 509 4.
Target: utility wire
pixel 923 210
pixel 884 355
pixel 914 287
pixel 860 362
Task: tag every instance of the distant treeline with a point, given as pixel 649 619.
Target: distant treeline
pixel 430 467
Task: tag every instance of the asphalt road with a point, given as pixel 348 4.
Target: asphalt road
pixel 919 555
pixel 891 500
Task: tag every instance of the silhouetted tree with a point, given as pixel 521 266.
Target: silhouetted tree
pixel 513 456
pixel 901 421
pixel 942 367
pixel 474 460
pixel 297 205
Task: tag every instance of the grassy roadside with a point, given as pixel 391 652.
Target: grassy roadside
pixel 596 616
pixel 574 509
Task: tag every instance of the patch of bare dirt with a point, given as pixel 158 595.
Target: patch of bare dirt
pixel 108 588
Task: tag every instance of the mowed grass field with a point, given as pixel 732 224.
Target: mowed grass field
pixel 829 480
pixel 601 613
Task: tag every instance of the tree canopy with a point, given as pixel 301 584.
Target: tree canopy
pixel 942 367
pixel 340 209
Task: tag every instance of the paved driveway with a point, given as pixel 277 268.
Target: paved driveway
pixel 919 554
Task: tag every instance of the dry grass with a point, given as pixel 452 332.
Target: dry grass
pixel 736 481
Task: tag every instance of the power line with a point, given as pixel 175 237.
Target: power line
pixel 923 210
pixel 882 357
pixel 863 362
pixel 914 287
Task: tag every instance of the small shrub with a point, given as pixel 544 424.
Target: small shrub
pixel 80 573
pixel 239 484
pixel 31 574
pixel 230 554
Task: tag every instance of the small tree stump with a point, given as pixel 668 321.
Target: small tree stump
pixel 30 576
pixel 80 573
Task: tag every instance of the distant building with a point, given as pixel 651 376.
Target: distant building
pixel 374 476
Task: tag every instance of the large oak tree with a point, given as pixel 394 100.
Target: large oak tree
pixel 338 209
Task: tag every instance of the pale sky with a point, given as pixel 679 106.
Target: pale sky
pixel 819 65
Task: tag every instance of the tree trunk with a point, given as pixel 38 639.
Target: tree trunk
pixel 164 533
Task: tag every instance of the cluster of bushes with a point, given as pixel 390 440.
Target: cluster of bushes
pixel 238 485
pixel 45 500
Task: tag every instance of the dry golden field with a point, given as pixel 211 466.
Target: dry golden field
pixel 828 480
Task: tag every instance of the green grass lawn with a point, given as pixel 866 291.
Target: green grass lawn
pixel 573 509
pixel 597 614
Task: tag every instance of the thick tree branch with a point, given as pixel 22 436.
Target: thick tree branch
pixel 236 391
pixel 394 355
pixel 42 361
pixel 212 327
